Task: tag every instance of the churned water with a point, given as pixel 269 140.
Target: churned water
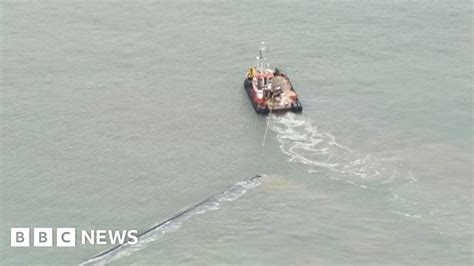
pixel 118 115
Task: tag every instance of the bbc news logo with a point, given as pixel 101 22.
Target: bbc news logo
pixel 66 237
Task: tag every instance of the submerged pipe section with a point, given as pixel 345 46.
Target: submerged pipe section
pixel 239 187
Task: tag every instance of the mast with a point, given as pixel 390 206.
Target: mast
pixel 262 63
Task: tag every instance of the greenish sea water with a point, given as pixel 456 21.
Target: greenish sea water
pixel 119 114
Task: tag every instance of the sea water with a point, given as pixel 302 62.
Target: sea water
pixel 117 115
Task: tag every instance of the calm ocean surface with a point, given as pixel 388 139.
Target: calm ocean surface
pixel 117 115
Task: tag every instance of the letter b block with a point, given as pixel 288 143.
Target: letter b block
pixel 20 237
pixel 43 237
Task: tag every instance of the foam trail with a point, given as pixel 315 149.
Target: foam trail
pixel 301 140
pixel 171 224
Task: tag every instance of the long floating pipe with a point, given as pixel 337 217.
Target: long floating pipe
pixel 176 216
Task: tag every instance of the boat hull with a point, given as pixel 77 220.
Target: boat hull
pixel 263 109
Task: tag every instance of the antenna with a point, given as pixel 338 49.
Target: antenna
pixel 262 56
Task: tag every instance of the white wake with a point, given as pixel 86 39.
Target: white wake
pixel 300 139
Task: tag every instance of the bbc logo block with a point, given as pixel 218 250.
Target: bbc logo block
pixel 20 237
pixel 42 237
pixel 65 237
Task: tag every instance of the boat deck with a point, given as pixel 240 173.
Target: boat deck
pixel 282 82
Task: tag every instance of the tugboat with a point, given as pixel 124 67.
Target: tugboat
pixel 270 90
